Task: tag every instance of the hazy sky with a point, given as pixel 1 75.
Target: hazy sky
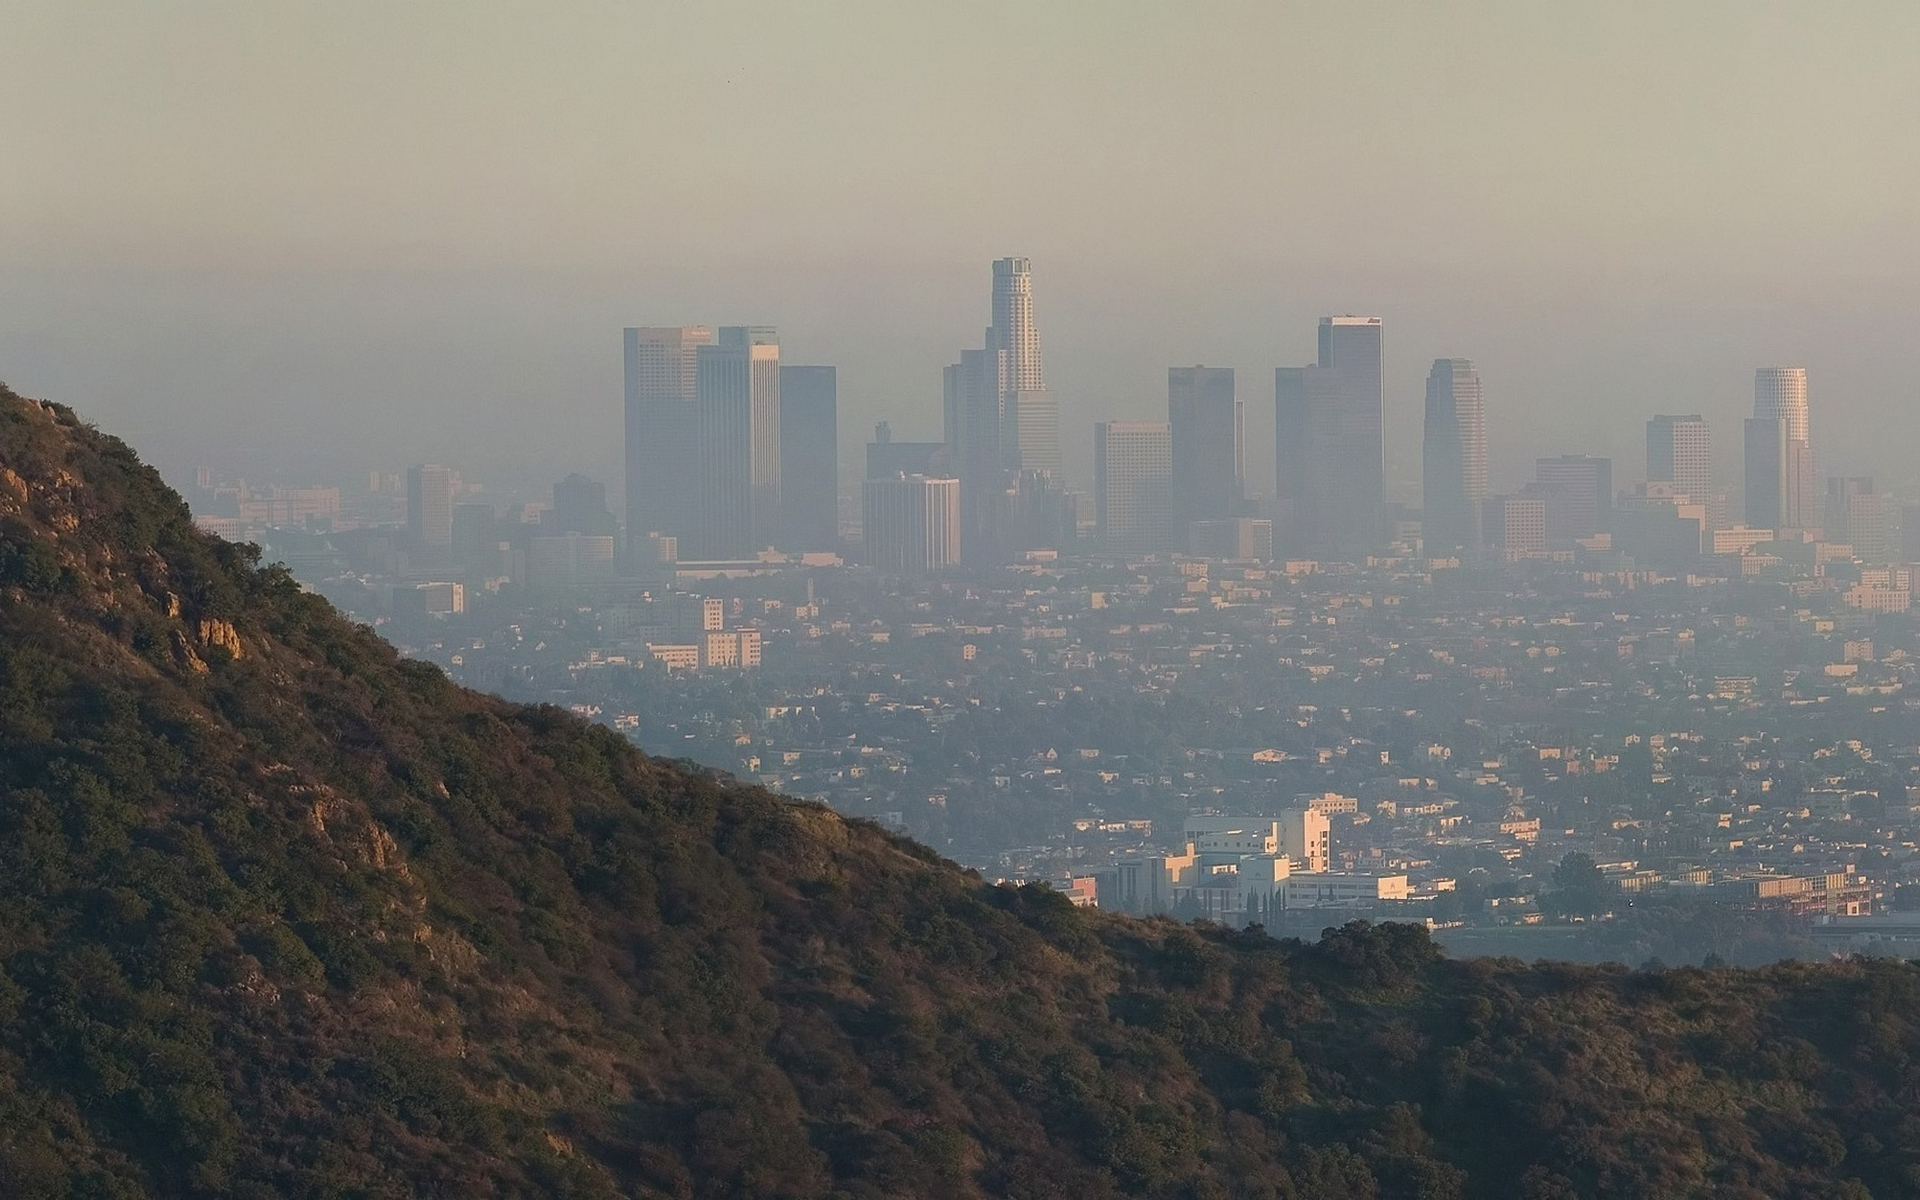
pixel 312 238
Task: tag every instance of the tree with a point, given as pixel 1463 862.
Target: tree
pixel 1579 887
pixel 1578 872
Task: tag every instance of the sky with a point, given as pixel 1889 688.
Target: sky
pixel 303 240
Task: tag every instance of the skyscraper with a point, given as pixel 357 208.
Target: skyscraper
pixel 579 506
pixel 887 457
pixel 476 544
pixel 663 426
pixel 911 523
pixel 1132 473
pixel 809 459
pixel 1515 526
pixel 1330 457
pixel 1453 456
pixel 1207 424
pixel 1026 403
pixel 738 457
pixel 1781 392
pixel 1767 450
pixel 1780 479
pixel 430 492
pixel 1578 491
pixel 1680 452
pixel 1036 418
pixel 1000 417
pixel 1013 330
pixel 1865 518
pixel 975 400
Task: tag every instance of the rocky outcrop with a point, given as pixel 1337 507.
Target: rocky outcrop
pixel 215 632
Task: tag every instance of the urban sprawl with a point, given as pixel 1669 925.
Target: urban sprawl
pixel 1569 719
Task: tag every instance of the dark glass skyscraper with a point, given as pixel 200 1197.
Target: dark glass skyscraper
pixel 1453 459
pixel 430 492
pixel 983 446
pixel 738 382
pixel 809 459
pixel 1330 456
pixel 663 429
pixel 1768 450
pixel 579 506
pixel 1578 490
pixel 1207 424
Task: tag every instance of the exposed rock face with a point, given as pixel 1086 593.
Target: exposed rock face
pixel 12 488
pixel 215 632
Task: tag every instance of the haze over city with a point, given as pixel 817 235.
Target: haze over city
pixel 885 599
pixel 271 238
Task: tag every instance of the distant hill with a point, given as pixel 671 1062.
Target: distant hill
pixel 282 915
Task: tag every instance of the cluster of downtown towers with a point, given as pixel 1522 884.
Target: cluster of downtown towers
pixel 729 452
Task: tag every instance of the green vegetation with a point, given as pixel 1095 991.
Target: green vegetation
pixel 283 915
pixel 1580 888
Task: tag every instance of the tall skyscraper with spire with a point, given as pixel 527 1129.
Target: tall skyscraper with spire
pixel 1004 424
pixel 1779 451
pixel 1330 456
pixel 1026 403
pixel 1453 476
pixel 1013 329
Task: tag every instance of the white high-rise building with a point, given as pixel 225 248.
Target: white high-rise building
pixel 911 523
pixel 1305 836
pixel 1030 413
pixel 1780 393
pixel 1680 452
pixel 1781 491
pixel 1133 476
pixel 1013 329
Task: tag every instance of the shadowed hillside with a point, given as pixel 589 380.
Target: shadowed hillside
pixel 284 915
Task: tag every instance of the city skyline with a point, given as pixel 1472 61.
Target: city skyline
pixel 1159 600
pixel 992 369
pixel 449 278
pixel 1330 433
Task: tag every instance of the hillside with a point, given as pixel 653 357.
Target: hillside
pixel 284 915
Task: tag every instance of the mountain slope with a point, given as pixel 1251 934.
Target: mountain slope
pixel 284 915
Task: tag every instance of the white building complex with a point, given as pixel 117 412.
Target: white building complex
pixel 1243 870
